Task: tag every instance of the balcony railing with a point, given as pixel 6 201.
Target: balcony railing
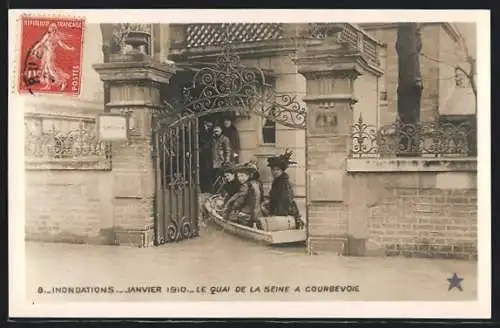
pixel 360 40
pixel 425 139
pixel 203 35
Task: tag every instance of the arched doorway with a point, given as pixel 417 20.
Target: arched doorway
pixel 226 86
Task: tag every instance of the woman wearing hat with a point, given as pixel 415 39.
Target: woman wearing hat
pixel 281 198
pixel 244 206
pixel 231 185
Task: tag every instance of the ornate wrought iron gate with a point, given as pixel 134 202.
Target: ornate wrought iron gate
pixel 176 181
pixel 227 85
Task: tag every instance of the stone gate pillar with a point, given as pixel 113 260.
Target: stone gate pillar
pixel 331 70
pixel 134 80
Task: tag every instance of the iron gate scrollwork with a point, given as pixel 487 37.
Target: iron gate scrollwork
pixel 229 85
pixel 176 159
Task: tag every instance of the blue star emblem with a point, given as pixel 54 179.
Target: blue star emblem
pixel 455 282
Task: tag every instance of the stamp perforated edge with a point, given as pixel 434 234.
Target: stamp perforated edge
pixel 17 67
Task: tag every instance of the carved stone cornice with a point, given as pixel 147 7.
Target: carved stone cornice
pixel 129 105
pixel 327 101
pixel 133 68
pixel 334 60
pixel 248 50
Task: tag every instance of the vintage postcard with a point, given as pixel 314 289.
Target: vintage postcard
pixel 257 163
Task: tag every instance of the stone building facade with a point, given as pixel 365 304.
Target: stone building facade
pixel 356 203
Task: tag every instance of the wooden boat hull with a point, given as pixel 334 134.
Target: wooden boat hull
pixel 266 237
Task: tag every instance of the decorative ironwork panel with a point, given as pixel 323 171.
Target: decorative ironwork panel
pixel 78 143
pixel 204 35
pixel 401 139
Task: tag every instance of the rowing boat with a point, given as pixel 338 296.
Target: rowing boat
pixel 267 237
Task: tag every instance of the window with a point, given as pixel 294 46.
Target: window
pixel 269 131
pixel 269 128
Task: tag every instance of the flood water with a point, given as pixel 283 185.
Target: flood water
pixel 220 262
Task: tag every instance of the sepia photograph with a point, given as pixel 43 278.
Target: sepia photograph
pixel 254 161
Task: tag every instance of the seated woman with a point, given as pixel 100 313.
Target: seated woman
pixel 231 185
pixel 255 181
pixel 281 198
pixel 243 207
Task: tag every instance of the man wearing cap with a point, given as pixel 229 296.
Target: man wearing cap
pixel 281 198
pixel 231 132
pixel 221 152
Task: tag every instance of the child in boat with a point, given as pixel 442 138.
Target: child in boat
pixel 281 197
pixel 231 185
pixel 243 207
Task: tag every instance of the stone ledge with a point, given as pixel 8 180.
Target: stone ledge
pixel 327 244
pixel 91 163
pixel 61 116
pixel 412 164
pixel 134 237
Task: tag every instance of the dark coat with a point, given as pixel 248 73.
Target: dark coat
pixel 229 189
pixel 205 145
pixel 247 200
pixel 234 138
pixel 281 197
pixel 221 151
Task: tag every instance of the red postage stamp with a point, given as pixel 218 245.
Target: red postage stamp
pixel 51 55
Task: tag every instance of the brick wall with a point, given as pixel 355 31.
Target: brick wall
pixel 67 199
pixel 427 223
pixel 415 216
pixel 412 214
pixel 69 206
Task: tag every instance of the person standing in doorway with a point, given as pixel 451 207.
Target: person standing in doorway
pixel 205 156
pixel 221 154
pixel 231 132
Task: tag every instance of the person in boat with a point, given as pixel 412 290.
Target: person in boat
pixel 231 185
pixel 281 197
pixel 244 206
pixel 255 180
